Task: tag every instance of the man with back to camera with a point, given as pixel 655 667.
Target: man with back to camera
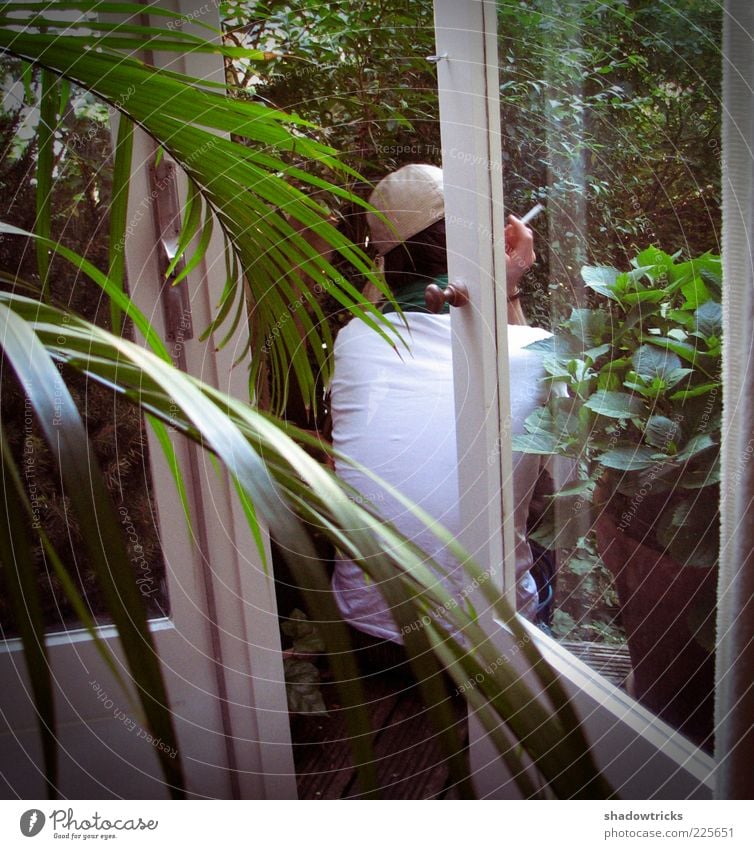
pixel 394 412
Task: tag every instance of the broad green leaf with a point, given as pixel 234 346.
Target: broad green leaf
pixel 645 296
pixel 596 353
pixel 645 387
pixel 698 443
pixel 657 264
pixel 609 378
pixel 564 418
pixel 601 279
pixel 702 389
pixel 661 432
pixel 539 442
pixel 713 279
pixel 695 292
pixel 546 346
pixel 650 362
pixel 676 375
pixel 684 350
pixel 708 319
pixel 628 459
pixel 557 367
pixel 684 318
pixel 617 405
pixel 707 266
pixel 587 325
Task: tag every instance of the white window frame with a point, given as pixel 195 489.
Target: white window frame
pixel 640 754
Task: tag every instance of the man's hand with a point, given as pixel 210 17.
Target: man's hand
pixel 519 252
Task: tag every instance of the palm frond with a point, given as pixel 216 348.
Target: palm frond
pixel 256 183
pixel 290 490
pixel 82 482
pixel 119 214
pixel 17 558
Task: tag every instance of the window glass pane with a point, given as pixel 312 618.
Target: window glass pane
pixel 610 115
pixel 82 175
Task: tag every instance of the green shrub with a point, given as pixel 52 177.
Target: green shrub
pixel 642 416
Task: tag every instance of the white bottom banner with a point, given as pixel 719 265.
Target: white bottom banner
pixel 319 826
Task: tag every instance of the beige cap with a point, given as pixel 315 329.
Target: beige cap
pixel 411 199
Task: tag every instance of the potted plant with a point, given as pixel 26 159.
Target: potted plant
pixel 641 423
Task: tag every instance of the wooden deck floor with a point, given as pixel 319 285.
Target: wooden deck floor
pixel 408 757
pixel 409 760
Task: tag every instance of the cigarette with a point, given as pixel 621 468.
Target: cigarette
pixel 532 213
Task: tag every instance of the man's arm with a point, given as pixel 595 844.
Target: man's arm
pixel 516 312
pixel 519 258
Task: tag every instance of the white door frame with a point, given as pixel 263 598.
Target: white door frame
pixel 642 756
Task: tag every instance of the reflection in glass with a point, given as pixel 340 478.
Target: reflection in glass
pixel 611 117
pixel 83 178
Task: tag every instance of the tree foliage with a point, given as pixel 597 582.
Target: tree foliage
pixel 610 111
pixel 79 216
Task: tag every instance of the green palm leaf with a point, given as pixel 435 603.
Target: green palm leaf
pixel 64 433
pixel 119 215
pixel 17 559
pixel 254 184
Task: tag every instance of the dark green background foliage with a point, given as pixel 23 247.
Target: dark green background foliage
pixel 356 70
pixel 80 208
pixel 609 110
pixel 642 419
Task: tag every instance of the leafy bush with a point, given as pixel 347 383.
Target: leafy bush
pixel 587 606
pixel 642 416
